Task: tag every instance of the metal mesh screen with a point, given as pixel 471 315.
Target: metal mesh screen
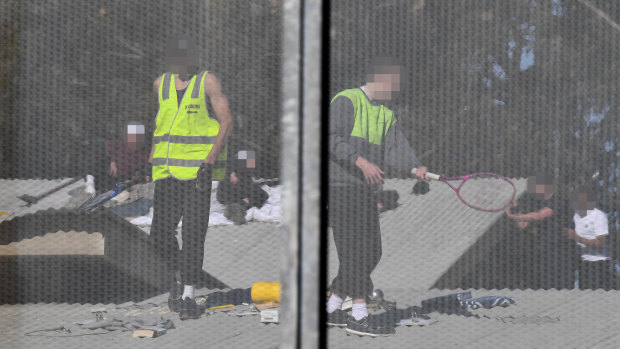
pixel 86 77
pixel 73 74
pixel 514 88
pixel 518 88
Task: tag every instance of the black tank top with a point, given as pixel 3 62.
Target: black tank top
pixel 180 94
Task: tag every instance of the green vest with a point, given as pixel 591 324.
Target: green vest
pixel 184 135
pixel 372 122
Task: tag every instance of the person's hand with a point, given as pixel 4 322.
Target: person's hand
pixel 372 173
pixel 203 177
pixel 233 178
pixel 420 173
pixel 147 178
pixel 522 224
pixel 113 169
pixel 379 187
pixel 508 209
pixel 570 233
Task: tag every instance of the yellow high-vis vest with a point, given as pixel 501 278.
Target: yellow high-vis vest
pixel 372 122
pixel 184 134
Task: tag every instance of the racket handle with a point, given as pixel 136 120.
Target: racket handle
pixel 430 175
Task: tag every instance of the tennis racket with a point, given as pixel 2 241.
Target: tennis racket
pixel 482 191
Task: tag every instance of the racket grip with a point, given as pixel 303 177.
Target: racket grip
pixel 430 175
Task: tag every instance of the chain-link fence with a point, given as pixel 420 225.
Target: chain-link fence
pixel 517 88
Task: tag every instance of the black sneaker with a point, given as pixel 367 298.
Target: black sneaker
pixel 338 318
pixel 236 213
pixel 174 298
pixel 189 309
pixel 367 327
pixel 174 304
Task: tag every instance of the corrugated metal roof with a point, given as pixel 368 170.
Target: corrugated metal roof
pixel 425 235
pixel 213 331
pixel 421 239
pixel 240 255
pixel 539 319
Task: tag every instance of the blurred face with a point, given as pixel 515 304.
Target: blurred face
pixel 181 56
pixel 135 136
pixel 582 203
pixel 386 83
pixel 246 161
pixel 538 187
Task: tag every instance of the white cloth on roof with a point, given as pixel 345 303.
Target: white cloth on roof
pixel 271 210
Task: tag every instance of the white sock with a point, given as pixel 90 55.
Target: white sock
pixel 359 311
pixel 334 303
pixel 90 184
pixel 188 292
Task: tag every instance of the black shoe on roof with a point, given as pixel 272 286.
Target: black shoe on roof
pixel 174 298
pixel 174 304
pixel 367 327
pixel 235 213
pixel 338 318
pixel 189 309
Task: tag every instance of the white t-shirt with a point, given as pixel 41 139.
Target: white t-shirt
pixel 593 224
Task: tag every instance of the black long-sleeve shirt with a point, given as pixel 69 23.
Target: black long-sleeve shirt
pixel 395 157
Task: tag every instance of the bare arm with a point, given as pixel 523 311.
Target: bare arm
pixel 539 215
pixel 598 242
pixel 219 101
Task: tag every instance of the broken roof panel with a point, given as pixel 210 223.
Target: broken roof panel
pixel 11 189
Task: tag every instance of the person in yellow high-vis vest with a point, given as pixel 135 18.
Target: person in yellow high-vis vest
pixel 188 152
pixel 365 143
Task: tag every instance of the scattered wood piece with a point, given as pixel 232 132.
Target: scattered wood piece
pixel 149 332
pixel 269 305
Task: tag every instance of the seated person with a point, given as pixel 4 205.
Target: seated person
pixel 542 214
pixel 237 191
pixel 590 234
pixel 125 159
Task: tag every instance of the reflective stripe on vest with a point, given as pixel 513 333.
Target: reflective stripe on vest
pixel 184 133
pixel 184 139
pixel 372 122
